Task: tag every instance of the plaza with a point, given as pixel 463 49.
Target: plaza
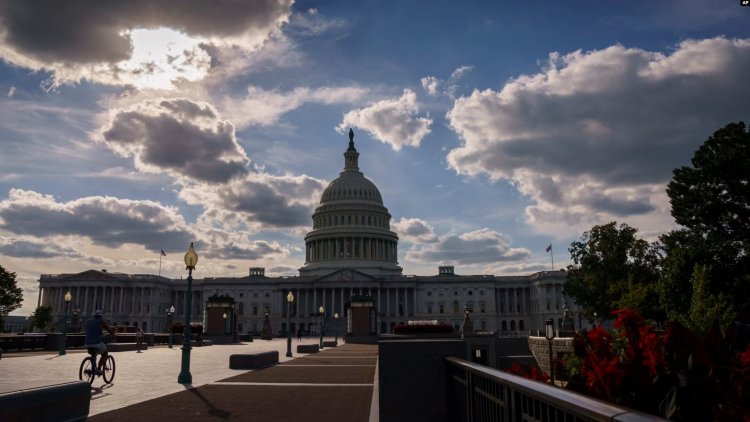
pixel 145 384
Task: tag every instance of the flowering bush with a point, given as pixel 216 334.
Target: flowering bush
pixel 677 374
pixel 195 328
pixel 530 372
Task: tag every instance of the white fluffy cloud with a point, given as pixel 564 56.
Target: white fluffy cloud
pixel 595 135
pixel 145 43
pixel 178 136
pixel 435 86
pixel 476 247
pixel 392 122
pixel 414 230
pixel 262 107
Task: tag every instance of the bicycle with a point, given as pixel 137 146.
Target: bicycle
pixel 87 373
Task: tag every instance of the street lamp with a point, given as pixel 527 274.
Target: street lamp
pixel 170 312
pixel 191 258
pixel 336 317
pixel 595 315
pixel 322 311
pixel 289 299
pixel 549 327
pixel 225 322
pixel 63 343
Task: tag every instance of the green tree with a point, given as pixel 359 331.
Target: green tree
pixel 41 317
pixel 705 308
pixel 11 295
pixel 612 267
pixel 711 200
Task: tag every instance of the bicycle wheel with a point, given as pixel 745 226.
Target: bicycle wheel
pixel 109 369
pixel 85 373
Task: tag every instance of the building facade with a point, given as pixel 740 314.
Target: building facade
pixel 350 250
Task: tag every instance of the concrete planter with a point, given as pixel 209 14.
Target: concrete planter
pixel 540 349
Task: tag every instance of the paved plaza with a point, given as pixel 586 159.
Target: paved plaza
pixel 336 384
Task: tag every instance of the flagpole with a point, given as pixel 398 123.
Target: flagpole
pixel 160 264
pixel 552 255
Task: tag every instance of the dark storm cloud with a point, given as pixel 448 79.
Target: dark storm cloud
pixel 105 221
pixel 180 136
pixel 253 251
pixel 19 248
pixel 88 31
pixel 477 247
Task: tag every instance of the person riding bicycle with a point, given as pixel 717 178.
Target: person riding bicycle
pixel 94 328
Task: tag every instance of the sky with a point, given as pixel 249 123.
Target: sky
pixel 492 129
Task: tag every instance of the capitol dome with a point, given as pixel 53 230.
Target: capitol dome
pixel 351 226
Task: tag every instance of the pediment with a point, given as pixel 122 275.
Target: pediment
pixel 345 276
pixel 90 275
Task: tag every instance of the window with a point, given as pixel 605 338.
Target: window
pixel 513 326
pixel 255 294
pixel 267 294
pixel 429 293
pixel 242 309
pixel 481 307
pixel 442 308
pixel 471 292
pixel 429 308
pixel 255 310
pixel 484 324
pixel 481 293
pixel 455 306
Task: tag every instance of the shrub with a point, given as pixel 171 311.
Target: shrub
pixel 423 329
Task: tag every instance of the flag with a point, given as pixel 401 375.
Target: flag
pixel 549 248
pixel 162 253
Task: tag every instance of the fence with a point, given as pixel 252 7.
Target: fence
pixel 478 393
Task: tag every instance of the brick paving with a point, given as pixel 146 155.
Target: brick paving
pixel 317 387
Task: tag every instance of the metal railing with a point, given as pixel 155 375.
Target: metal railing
pixel 477 393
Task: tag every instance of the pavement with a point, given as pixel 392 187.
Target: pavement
pixel 336 384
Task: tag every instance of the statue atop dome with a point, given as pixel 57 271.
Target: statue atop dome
pixel 351 140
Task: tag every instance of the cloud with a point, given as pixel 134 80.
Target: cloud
pixel 259 200
pixel 430 84
pixel 23 248
pixel 254 251
pixel 104 220
pixel 89 39
pixel 435 86
pixel 595 135
pixel 476 247
pixel 178 136
pixel 262 107
pixel 11 92
pixel 414 230
pixel 392 122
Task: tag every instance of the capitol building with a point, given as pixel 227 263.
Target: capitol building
pixel 349 251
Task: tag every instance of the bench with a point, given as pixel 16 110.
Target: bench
pixel 308 348
pixel 254 360
pixel 61 402
pixel 330 343
pixel 125 347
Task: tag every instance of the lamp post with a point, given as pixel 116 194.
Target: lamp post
pixel 289 300
pixel 336 317
pixel 234 327
pixel 191 258
pixel 63 341
pixel 170 312
pixel 595 315
pixel 549 327
pixel 322 311
pixel 225 322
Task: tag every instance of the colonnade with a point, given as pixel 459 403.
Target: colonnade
pixel 352 248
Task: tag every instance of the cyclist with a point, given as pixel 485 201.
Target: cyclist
pixel 94 328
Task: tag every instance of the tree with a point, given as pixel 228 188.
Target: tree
pixel 41 317
pixel 11 295
pixel 711 200
pixel 612 266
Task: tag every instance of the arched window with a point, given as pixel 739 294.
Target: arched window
pixel 513 326
pixel 455 306
pixel 242 308
pixel 520 325
pixel 505 326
